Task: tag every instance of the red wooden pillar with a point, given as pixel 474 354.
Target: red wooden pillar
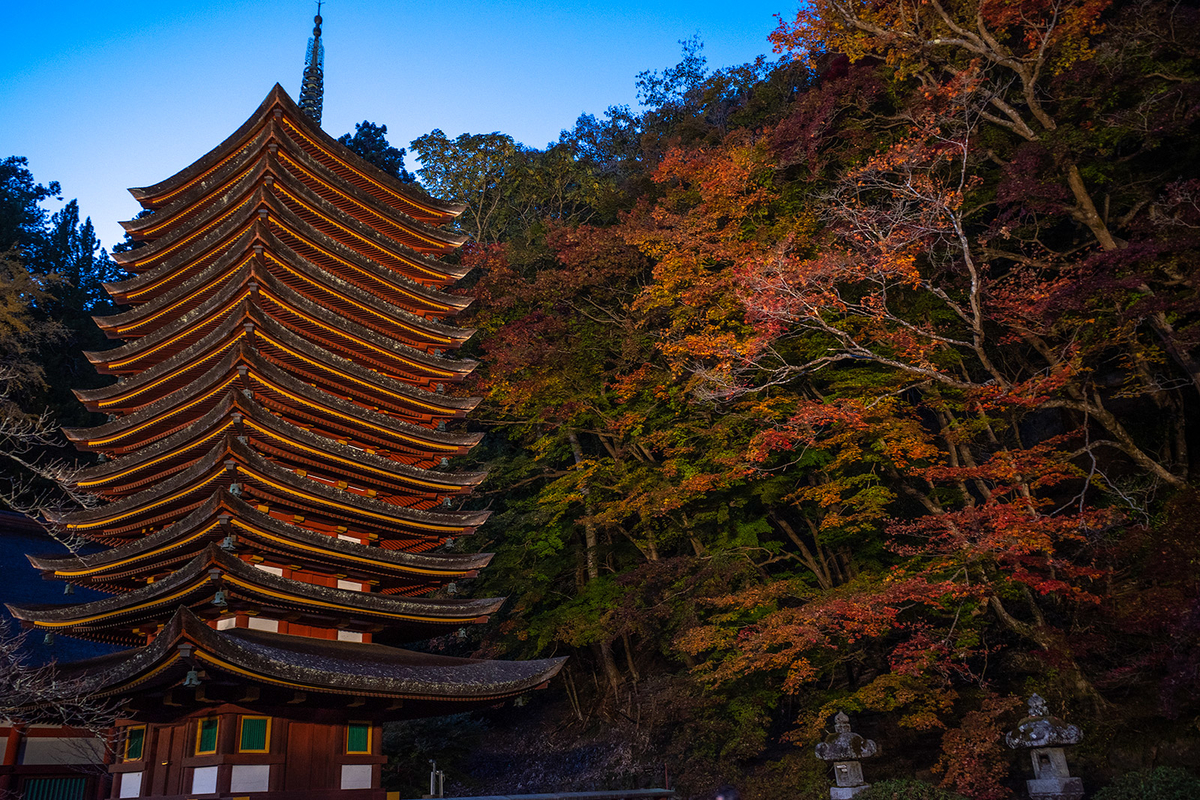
pixel 12 746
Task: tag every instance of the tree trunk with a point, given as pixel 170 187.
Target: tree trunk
pixel 1086 211
pixel 819 569
pixel 1045 639
pixel 603 650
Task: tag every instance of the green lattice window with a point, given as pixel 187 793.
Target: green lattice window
pixel 254 735
pixel 135 742
pixel 206 736
pixel 72 788
pixel 358 737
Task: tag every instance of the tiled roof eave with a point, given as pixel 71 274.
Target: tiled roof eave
pixel 246 217
pixel 221 417
pixel 231 334
pixel 281 660
pixel 241 252
pixel 254 160
pixel 257 365
pixel 248 194
pixel 223 503
pixel 241 462
pixel 222 303
pixel 213 568
pixel 278 98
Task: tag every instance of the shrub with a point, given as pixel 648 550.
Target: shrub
pixel 1160 783
pixel 907 789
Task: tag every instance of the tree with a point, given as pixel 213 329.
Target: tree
pixel 51 281
pixel 22 217
pixel 41 695
pixel 474 169
pixel 1019 69
pixel 370 142
pixel 71 252
pixel 672 87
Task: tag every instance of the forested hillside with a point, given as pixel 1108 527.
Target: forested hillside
pixel 863 379
pixel 866 379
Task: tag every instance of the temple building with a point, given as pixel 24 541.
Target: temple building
pixel 275 480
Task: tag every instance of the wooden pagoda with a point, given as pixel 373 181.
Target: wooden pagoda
pixel 274 476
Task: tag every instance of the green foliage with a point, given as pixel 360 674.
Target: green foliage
pixel 1160 783
pixel 370 142
pixel 672 86
pixel 472 169
pixel 22 333
pixel 22 217
pixel 411 744
pixel 907 789
pixel 794 776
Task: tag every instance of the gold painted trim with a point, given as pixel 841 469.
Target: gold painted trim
pixel 197 401
pixel 322 502
pixel 392 434
pixel 152 462
pixel 312 548
pixel 141 509
pixel 63 573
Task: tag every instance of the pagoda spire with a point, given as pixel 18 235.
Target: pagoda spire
pixel 312 87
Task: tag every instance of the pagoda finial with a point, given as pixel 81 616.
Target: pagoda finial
pixel 312 89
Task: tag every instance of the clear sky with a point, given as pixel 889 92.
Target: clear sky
pixel 107 94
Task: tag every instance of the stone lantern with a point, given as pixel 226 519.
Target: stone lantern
pixel 1045 736
pixel 845 748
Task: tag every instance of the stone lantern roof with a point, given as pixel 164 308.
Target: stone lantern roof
pixel 844 744
pixel 1040 729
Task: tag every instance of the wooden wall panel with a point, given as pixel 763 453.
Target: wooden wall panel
pixel 313 754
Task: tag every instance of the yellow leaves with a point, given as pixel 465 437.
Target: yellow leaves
pixel 919 705
pixel 717 216
pixel 695 641
pixel 21 332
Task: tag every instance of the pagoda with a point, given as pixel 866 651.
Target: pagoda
pixel 274 479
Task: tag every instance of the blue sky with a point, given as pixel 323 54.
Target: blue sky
pixel 116 93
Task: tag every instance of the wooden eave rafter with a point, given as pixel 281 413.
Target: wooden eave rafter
pixel 363 346
pixel 263 211
pixel 328 371
pixel 162 459
pixel 348 423
pixel 365 240
pixel 161 419
pixel 273 152
pixel 258 478
pixel 118 618
pixel 125 567
pixel 286 396
pixel 279 106
pixel 353 201
pixel 354 470
pixel 241 265
pixel 293 447
pixel 262 189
